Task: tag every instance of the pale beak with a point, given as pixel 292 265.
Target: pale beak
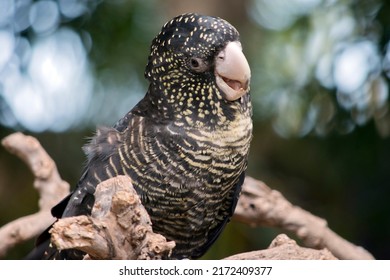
pixel 232 71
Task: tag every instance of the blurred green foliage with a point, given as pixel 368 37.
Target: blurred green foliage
pixel 320 74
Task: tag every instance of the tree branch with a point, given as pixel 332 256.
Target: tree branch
pixel 119 227
pixel 48 183
pixel 259 205
pixel 284 248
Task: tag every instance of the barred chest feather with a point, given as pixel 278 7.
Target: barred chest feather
pixel 186 177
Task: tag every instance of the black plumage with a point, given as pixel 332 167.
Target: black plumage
pixel 185 144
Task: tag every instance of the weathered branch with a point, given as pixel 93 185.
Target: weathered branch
pixel 261 206
pixel 48 183
pixel 284 248
pixel 118 228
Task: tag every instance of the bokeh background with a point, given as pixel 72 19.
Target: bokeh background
pixel 320 88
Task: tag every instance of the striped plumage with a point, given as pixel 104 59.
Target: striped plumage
pixel 185 144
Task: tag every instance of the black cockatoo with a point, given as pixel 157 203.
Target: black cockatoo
pixel 184 145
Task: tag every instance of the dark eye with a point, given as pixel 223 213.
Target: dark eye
pixel 197 64
pixel 194 63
